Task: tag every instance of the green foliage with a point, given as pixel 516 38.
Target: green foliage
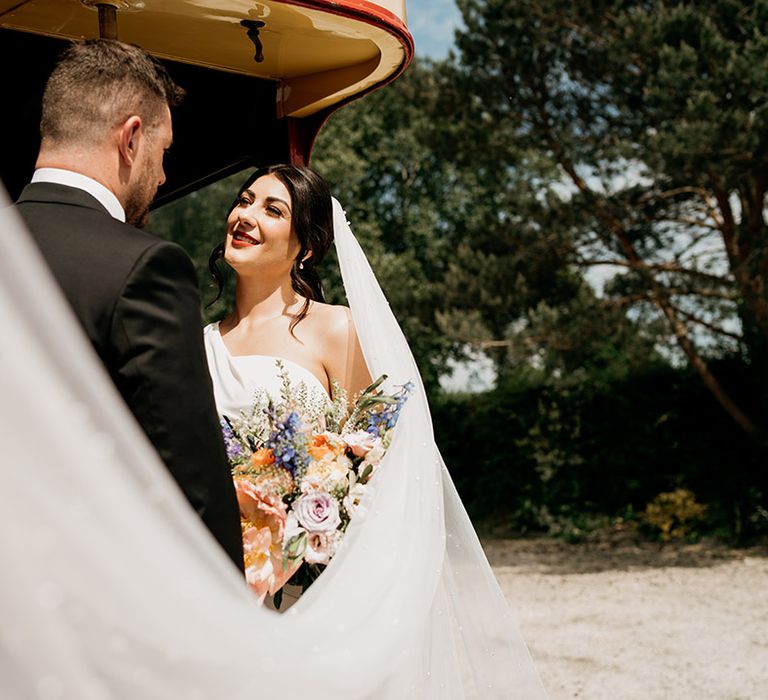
pixel 583 339
pixel 375 155
pixel 453 248
pixel 643 126
pixel 549 454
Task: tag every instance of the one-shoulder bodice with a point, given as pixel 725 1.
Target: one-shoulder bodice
pixel 238 380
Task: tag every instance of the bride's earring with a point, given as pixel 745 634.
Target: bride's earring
pixel 301 266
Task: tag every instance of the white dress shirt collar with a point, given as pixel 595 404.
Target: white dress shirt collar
pixel 58 176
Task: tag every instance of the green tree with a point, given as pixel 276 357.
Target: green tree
pixel 373 155
pixel 653 116
pixel 196 222
pixel 452 244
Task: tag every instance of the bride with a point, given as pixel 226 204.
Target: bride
pixel 111 587
pixel 279 228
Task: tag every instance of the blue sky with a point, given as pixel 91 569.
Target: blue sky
pixel 432 23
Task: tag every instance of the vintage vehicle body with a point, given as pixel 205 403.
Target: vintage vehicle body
pixel 261 77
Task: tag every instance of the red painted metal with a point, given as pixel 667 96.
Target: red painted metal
pixel 303 132
pixel 361 9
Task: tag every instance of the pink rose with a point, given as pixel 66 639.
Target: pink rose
pixel 317 511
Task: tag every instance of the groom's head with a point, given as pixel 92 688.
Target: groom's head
pixel 106 114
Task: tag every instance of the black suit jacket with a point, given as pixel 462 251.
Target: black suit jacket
pixel 136 297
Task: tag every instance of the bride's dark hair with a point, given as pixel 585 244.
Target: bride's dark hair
pixel 312 222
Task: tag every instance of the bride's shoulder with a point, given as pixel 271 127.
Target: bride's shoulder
pixel 330 324
pixel 333 335
pixel 329 312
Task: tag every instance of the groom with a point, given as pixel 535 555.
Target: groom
pixel 106 124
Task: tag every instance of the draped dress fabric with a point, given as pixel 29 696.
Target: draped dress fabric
pixel 237 378
pixel 111 588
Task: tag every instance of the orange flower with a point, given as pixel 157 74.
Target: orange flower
pixel 320 447
pixel 324 447
pixel 262 457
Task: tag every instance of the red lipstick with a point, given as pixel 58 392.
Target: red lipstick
pixel 241 239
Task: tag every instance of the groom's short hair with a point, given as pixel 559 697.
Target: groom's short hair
pixel 98 84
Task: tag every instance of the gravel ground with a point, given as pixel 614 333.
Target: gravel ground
pixel 620 619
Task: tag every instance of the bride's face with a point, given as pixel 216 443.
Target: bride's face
pixel 260 236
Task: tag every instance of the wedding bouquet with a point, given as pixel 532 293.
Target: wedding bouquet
pixel 301 467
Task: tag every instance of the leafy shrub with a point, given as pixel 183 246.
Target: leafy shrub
pixel 674 515
pixel 538 456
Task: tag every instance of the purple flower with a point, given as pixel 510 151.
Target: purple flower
pixel 231 443
pixel 289 444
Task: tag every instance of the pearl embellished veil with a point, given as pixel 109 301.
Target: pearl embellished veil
pixel 110 586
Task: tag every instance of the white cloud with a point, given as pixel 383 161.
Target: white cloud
pixel 432 23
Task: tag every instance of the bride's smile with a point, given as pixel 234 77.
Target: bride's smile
pixel 240 238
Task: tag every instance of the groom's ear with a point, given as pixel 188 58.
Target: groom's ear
pixel 129 136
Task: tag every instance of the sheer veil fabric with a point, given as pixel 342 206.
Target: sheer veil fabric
pixel 110 587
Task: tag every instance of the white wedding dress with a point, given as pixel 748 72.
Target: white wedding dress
pixel 110 586
pixel 237 378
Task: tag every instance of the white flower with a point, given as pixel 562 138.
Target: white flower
pixel 311 483
pixel 376 453
pixel 292 527
pixel 321 546
pixel 353 498
pixel 317 511
pixel 373 458
pixel 360 442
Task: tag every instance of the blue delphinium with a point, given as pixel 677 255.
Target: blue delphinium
pixel 288 443
pixel 385 419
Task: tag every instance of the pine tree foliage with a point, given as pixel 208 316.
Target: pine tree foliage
pixel 654 117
